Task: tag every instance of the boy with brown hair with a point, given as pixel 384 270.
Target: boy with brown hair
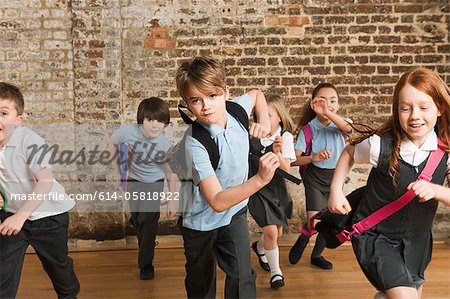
pixel 42 220
pixel 144 181
pixel 215 227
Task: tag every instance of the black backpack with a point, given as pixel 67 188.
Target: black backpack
pixel 177 159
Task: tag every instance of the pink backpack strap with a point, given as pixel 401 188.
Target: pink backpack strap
pixel 389 209
pixel 310 231
pixel 307 132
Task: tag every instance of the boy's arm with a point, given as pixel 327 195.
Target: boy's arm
pixel 172 180
pixel 14 223
pixel 220 200
pixel 262 127
pixel 337 203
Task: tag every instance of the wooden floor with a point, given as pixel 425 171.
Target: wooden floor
pixel 113 274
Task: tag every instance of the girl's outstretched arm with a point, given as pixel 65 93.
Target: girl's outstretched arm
pixel 337 203
pixel 320 106
pixel 303 160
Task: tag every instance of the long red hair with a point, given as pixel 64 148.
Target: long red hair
pixel 430 83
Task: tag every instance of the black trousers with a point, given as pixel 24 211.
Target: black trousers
pixel 230 246
pixel 145 211
pixel 48 237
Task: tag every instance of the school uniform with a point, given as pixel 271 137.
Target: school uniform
pixel 144 185
pixel 211 237
pixel 396 251
pixel 45 229
pixel 318 175
pixel 272 204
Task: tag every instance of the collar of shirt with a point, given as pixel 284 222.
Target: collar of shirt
pixel 317 125
pixel 215 130
pixel 414 155
pixel 267 141
pixel 430 144
pixel 15 137
pixel 272 138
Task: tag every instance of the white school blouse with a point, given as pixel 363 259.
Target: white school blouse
pixel 368 151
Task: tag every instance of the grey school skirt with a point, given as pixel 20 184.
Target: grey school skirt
pixel 317 187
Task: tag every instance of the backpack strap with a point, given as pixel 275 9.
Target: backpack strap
pixel 184 116
pixel 238 112
pixel 391 208
pixel 203 136
pixel 307 132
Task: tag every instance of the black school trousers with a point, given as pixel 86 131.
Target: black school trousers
pixel 145 201
pixel 48 237
pixel 230 247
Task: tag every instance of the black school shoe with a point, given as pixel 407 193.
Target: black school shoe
pixel 146 273
pixel 321 262
pixel 263 265
pixel 276 284
pixel 296 251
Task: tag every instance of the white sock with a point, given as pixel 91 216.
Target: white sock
pixel 260 249
pixel 273 258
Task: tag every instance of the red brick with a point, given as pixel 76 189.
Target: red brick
pixel 159 33
pixel 251 61
pixel 429 58
pixel 386 39
pixel 408 8
pixel 295 61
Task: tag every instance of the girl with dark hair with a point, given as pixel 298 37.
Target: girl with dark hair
pixel 321 139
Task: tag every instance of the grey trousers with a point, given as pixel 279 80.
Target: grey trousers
pixel 230 247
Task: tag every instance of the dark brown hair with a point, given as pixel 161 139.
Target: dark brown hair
pixel 308 113
pixel 153 109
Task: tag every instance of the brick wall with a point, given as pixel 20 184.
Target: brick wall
pixel 90 62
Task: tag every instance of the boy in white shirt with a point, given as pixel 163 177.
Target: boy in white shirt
pixel 42 219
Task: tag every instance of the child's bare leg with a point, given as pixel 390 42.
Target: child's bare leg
pixel 380 295
pixel 273 256
pixel 280 231
pixel 270 233
pixel 419 292
pixel 402 293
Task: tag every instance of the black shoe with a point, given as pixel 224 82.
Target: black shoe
pixel 146 274
pixel 276 284
pixel 297 250
pixel 263 265
pixel 321 262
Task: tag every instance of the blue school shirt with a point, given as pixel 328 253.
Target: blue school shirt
pixel 324 137
pixel 147 155
pixel 232 170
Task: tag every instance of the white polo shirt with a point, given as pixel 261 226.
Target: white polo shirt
pixel 17 175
